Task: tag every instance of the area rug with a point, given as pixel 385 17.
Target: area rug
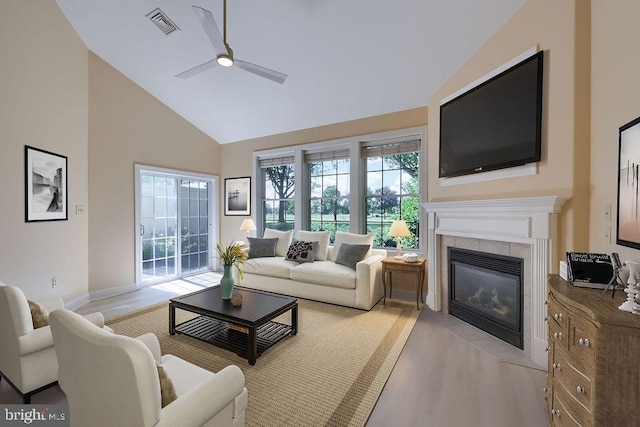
pixel 330 374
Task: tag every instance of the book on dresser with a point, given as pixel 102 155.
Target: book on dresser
pixel 589 270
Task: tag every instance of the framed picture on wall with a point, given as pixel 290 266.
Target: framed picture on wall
pixel 237 196
pixel 45 185
pixel 628 232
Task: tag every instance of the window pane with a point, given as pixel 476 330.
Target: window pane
pixel 160 228
pixel 279 190
pixel 316 186
pixel 344 166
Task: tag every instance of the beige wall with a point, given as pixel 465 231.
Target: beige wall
pixel 238 157
pixel 126 126
pixel 615 101
pixel 43 103
pixel 561 29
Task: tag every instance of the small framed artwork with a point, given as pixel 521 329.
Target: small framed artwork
pixel 45 185
pixel 628 233
pixel 237 196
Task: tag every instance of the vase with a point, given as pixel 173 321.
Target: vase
pixel 227 282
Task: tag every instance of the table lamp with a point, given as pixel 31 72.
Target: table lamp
pixel 248 225
pixel 399 230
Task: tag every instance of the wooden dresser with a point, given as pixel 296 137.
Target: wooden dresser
pixel 594 358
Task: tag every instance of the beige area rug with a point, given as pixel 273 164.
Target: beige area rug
pixel 330 374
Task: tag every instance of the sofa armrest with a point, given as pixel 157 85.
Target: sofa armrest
pixel 368 281
pixel 96 318
pixel 152 343
pixel 202 403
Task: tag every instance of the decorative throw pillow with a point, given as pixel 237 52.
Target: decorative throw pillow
pixel 39 315
pixel 350 254
pixel 301 251
pixel 322 237
pixel 262 247
pixel 167 390
pixel 284 240
pixel 344 237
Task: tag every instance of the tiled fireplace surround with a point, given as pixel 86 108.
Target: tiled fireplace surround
pixel 521 227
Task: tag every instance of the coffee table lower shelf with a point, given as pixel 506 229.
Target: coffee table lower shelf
pixel 218 333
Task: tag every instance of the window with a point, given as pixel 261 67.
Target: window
pixel 393 192
pixel 358 184
pixel 278 209
pixel 328 202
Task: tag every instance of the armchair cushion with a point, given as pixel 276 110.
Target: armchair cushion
pixel 167 390
pixel 39 315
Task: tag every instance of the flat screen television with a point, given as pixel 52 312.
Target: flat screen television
pixel 495 125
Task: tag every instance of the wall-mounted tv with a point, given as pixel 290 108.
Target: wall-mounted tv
pixel 495 125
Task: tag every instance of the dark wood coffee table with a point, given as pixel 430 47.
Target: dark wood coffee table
pixel 247 330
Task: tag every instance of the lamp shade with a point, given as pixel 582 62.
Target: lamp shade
pixel 399 229
pixel 247 225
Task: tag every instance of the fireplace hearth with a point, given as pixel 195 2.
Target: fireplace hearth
pixel 486 290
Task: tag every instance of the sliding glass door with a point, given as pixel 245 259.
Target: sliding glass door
pixel 174 215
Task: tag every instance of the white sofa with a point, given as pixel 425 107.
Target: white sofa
pixel 323 280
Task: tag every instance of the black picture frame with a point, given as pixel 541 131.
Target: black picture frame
pixel 628 221
pixel 237 196
pixel 45 186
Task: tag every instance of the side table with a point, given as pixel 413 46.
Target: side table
pixel 395 265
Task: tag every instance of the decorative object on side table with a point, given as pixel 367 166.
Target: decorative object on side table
pixel 236 299
pixel 399 230
pixel 231 255
pixel 248 225
pixel 410 257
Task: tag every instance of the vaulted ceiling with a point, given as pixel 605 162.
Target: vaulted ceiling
pixel 345 59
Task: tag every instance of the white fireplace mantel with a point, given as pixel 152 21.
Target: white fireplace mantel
pixel 530 220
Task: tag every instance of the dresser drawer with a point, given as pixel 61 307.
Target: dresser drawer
pixel 567 412
pixel 557 334
pixel 581 343
pixel 557 314
pixel 576 383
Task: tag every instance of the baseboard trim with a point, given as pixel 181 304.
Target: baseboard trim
pixel 112 292
pixel 76 303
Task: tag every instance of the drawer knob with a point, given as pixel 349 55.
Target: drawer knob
pixel 558 335
pixel 547 349
pixel 556 412
pixel 584 341
pixel 556 366
pixel 580 390
pixel 545 389
pixel 558 317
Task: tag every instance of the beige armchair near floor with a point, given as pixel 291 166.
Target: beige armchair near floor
pixel 112 380
pixel 27 358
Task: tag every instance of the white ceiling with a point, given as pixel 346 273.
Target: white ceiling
pixel 346 59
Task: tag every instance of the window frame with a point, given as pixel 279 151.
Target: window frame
pixel 357 165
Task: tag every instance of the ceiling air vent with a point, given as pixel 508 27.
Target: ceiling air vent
pixel 162 21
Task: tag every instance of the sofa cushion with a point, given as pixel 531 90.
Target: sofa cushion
pixel 284 240
pixel 302 251
pixel 271 266
pixel 350 254
pixel 259 248
pixel 326 273
pixel 322 237
pixel 358 239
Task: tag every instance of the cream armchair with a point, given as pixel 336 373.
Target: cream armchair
pixel 27 358
pixel 112 380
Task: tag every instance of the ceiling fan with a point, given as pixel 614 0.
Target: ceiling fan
pixel 224 53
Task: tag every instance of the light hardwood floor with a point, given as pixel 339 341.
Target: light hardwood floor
pixel 448 374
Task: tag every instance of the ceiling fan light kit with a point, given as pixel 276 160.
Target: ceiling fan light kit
pixel 224 53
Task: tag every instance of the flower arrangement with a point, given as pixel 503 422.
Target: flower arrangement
pixel 232 255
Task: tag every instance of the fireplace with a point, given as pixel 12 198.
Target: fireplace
pixel 486 290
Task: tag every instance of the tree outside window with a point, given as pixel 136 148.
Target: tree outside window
pixel 329 196
pixel 278 204
pixel 393 193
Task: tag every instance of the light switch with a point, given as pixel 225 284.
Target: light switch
pixel 79 209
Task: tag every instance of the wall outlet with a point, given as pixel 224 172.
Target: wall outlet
pixel 54 282
pixel 607 212
pixel 79 209
pixel 607 233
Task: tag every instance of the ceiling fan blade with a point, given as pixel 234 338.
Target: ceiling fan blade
pixel 197 70
pixel 210 27
pixel 267 73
